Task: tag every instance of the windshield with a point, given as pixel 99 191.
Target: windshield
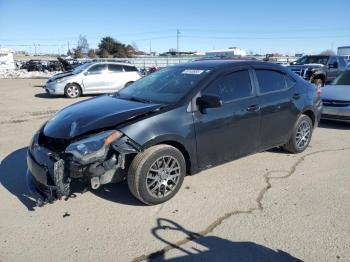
pixel 166 86
pixel 80 68
pixel 312 60
pixel 342 79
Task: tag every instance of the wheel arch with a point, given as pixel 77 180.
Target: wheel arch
pixel 178 145
pixel 74 83
pixel 310 113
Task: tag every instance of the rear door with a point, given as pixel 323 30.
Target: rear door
pixel 277 99
pixel 231 130
pixel 95 79
pixel 116 77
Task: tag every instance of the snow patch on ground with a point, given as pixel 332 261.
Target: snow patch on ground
pixel 23 73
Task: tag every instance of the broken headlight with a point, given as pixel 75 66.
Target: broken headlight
pixel 90 149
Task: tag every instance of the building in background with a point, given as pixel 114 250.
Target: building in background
pixel 226 53
pixel 344 51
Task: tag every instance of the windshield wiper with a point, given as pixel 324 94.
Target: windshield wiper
pixel 137 99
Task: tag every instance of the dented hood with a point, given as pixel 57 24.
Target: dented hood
pixel 94 114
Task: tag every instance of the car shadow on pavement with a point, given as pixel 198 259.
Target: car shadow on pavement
pixel 334 125
pixel 47 96
pixel 118 193
pixel 12 176
pixel 213 248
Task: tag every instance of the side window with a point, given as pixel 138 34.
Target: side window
pixel 115 68
pixel 232 86
pixel 342 62
pixel 289 81
pixel 97 69
pixel 130 69
pixel 332 60
pixel 270 80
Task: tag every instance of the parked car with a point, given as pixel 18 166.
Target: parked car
pixel 92 78
pixel 34 65
pixel 319 69
pixel 336 98
pixel 180 120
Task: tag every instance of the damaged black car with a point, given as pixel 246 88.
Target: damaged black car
pixel 177 121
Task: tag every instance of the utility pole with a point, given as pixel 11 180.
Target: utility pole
pixel 178 41
pixel 68 46
pixel 150 47
pixel 35 48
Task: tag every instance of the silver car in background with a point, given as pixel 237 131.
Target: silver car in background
pixel 92 78
pixel 336 98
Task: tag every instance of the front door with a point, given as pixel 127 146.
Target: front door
pixel 232 130
pixel 96 79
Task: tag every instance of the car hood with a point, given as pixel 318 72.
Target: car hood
pixel 336 92
pixel 60 75
pixel 94 114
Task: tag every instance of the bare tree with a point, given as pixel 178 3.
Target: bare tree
pixel 327 52
pixel 83 44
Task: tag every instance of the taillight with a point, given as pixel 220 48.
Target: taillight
pixel 318 91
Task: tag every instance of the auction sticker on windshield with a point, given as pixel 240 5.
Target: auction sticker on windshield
pixel 192 72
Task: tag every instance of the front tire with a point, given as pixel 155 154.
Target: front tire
pixel 156 174
pixel 301 135
pixel 72 91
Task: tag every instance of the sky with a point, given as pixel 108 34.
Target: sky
pixel 265 26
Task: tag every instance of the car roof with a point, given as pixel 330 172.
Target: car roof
pixel 109 62
pixel 217 64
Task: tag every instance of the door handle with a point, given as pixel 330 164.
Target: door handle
pixel 253 108
pixel 296 96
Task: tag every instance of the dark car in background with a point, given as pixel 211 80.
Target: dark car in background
pixel 180 120
pixel 319 69
pixel 336 98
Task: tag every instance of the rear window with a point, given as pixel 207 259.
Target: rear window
pixel 270 80
pixel 130 69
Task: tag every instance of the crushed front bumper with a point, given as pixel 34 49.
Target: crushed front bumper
pixel 46 182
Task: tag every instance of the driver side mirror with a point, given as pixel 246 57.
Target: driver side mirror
pixel 208 101
pixel 86 73
pixel 334 65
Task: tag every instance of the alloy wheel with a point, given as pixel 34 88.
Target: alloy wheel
pixel 73 91
pixel 303 134
pixel 163 176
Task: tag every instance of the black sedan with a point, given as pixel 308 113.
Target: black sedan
pixel 177 121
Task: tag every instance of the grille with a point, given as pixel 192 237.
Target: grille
pixel 346 118
pixel 336 103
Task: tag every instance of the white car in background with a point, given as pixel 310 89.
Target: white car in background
pixel 92 78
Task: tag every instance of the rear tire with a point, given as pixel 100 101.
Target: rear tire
pixel 301 135
pixel 156 174
pixel 72 91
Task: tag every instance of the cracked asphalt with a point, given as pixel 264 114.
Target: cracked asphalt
pixel 270 206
